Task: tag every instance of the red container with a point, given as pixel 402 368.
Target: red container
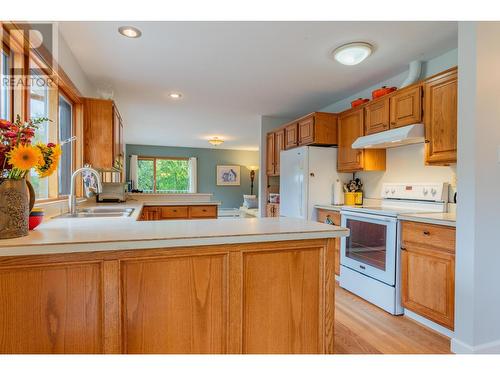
pixel 384 90
pixel 34 221
pixel 358 101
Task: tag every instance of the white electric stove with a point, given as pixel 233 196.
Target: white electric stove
pixel 370 256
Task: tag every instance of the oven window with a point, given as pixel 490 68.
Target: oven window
pixel 367 243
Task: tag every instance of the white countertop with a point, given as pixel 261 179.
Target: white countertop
pixel 439 218
pixel 67 235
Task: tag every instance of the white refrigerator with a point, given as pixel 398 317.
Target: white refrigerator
pixel 308 176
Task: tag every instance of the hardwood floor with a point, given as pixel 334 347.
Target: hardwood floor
pixel 362 328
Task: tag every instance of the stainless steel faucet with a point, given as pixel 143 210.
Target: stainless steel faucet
pixel 72 195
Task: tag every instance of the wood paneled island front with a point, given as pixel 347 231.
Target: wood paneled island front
pixel 247 293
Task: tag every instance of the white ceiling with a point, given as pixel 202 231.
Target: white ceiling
pixel 231 73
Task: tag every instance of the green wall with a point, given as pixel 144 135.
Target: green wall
pixel 208 159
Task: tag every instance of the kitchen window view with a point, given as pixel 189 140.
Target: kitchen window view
pixel 65 133
pixel 39 107
pixel 163 175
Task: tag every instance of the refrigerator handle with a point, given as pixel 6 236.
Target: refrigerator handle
pixel 301 196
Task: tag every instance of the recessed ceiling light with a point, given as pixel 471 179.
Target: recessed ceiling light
pixel 130 31
pixel 175 95
pixel 352 53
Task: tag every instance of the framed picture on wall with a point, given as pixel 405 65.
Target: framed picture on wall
pixel 228 175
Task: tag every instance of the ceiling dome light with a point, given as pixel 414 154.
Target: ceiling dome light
pixel 352 53
pixel 175 95
pixel 215 141
pixel 130 31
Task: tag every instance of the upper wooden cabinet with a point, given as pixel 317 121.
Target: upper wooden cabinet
pixel 428 271
pixel 275 143
pixel 441 118
pixel 306 130
pixel 291 136
pixel 270 153
pixel 318 128
pixel 350 127
pixel 102 133
pixel 279 145
pixel 377 116
pixel 406 106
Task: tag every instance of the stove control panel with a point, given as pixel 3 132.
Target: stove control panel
pixel 435 192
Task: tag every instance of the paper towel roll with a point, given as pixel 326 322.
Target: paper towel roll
pixel 338 192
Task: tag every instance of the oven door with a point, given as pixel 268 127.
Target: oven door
pixel 371 246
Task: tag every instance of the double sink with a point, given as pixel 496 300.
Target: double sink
pixel 100 212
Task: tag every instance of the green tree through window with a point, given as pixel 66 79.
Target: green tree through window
pixel 163 175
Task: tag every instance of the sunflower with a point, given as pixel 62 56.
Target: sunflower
pixel 24 157
pixel 50 159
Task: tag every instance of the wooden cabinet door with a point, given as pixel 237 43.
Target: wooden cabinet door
pixel 174 212
pixel 428 271
pixel 270 154
pixel 98 133
pixel 49 309
pixel 116 135
pixel 282 295
pixel 279 145
pixel 306 130
pixel 327 217
pixel 150 213
pixel 377 116
pixel 406 107
pixel 350 127
pixel 291 136
pixel 441 119
pixel 428 283
pixel 177 305
pixel 203 212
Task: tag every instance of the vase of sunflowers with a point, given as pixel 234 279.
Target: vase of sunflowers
pixel 18 156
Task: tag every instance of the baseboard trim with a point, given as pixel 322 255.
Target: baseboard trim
pixel 459 347
pixel 429 323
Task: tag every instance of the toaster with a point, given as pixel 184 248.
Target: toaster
pixel 112 192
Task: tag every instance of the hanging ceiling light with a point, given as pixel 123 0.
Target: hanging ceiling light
pixel 352 53
pixel 215 141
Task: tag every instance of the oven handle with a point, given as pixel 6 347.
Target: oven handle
pixel 368 216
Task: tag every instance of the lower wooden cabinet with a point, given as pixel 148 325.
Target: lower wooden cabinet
pixel 51 308
pixel 428 271
pixel 179 212
pixel 275 297
pixel 332 217
pixel 273 210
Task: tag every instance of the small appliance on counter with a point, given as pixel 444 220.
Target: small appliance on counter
pixel 112 192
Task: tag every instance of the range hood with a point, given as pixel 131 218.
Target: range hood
pixel 405 135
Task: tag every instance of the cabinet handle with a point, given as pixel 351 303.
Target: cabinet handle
pixel 174 210
pixel 393 123
pixel 427 233
pixel 204 210
pixel 403 248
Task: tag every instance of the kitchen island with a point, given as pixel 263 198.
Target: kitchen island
pixel 118 285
